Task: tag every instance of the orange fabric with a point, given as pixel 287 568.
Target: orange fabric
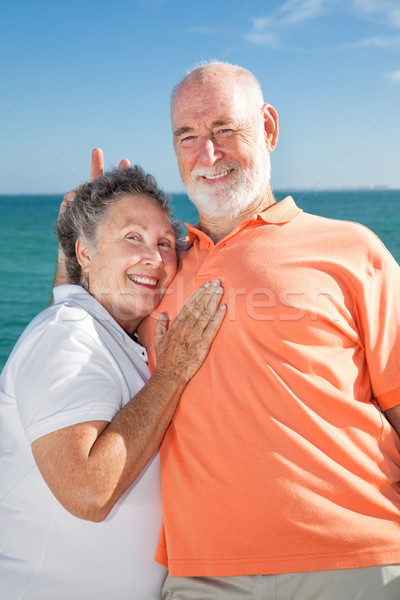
pixel 278 459
pixel 389 400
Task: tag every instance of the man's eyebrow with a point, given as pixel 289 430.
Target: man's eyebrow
pixel 182 131
pixel 221 123
pixel 186 129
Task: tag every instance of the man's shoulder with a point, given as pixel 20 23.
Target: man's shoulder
pixel 341 228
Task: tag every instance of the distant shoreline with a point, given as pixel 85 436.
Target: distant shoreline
pixel 277 191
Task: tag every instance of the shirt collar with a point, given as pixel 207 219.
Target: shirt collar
pixel 70 294
pixel 277 214
pixel 281 212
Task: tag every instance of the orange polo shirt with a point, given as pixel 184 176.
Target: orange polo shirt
pixel 278 459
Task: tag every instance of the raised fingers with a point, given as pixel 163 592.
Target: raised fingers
pixel 124 164
pixel 68 198
pixel 97 164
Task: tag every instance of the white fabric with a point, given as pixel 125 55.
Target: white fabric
pixel 73 363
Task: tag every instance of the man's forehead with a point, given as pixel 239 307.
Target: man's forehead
pixel 218 107
pixel 219 80
pixel 190 92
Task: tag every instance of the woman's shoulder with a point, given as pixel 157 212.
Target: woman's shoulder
pixel 55 326
pixel 67 313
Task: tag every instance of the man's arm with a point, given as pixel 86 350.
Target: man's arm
pixel 96 170
pixel 393 416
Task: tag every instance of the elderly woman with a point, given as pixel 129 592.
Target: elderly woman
pixel 80 419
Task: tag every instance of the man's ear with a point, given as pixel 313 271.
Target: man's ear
pixel 271 128
pixel 83 255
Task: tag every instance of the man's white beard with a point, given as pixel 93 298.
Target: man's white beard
pixel 228 199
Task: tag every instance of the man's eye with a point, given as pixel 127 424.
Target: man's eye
pixel 187 139
pixel 133 236
pixel 225 131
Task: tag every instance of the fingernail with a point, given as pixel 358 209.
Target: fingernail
pixel 216 282
pixel 222 307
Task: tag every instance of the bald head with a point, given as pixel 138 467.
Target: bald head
pixel 215 72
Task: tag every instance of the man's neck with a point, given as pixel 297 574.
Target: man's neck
pixel 220 228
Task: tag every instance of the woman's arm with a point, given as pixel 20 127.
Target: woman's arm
pixel 88 466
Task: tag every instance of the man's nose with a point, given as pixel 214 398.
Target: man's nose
pixel 209 152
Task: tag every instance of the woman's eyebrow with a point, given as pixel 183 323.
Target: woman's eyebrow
pixel 130 223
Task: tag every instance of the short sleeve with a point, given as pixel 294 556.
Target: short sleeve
pixel 378 315
pixel 67 377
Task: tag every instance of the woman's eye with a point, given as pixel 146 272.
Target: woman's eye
pixel 165 243
pixel 133 236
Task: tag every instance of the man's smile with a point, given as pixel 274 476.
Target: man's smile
pixel 218 175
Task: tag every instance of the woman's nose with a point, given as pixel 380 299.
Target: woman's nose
pixel 152 255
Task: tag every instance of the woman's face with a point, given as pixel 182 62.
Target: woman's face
pixel 133 261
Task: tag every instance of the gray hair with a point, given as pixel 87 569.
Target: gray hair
pixel 85 214
pixel 215 69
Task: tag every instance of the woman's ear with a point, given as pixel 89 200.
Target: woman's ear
pixel 271 127
pixel 83 255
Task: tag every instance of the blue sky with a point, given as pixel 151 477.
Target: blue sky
pixel 78 74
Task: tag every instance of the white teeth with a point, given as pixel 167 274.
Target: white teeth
pixel 144 280
pixel 217 176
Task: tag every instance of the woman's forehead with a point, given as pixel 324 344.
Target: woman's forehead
pixel 138 210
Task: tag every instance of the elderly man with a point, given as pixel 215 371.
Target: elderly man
pixel 279 470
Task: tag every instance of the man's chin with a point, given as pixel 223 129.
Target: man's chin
pixel 227 202
pixel 218 210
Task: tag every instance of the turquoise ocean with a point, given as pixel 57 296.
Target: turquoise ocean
pixel 28 244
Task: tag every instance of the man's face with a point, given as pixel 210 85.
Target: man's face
pixel 220 146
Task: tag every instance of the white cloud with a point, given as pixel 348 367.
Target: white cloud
pixel 263 22
pixel 389 42
pixel 267 29
pixel 394 76
pixel 383 11
pixel 265 38
pixel 296 11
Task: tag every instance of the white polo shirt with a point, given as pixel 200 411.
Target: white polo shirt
pixel 73 363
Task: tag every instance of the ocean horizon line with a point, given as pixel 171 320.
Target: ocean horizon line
pixel 376 188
